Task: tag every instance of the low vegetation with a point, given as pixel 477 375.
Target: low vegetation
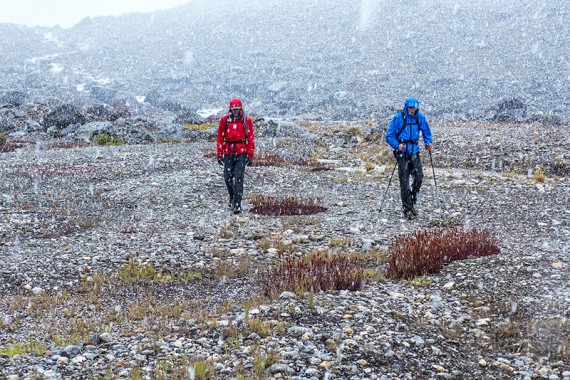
pixel 313 273
pixel 200 127
pixel 425 252
pixel 288 205
pixel 106 139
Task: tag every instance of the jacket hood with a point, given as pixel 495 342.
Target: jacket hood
pixel 412 102
pixel 235 102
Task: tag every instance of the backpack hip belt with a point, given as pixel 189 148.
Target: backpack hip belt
pixel 234 144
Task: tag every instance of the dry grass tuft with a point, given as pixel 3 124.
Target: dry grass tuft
pixel 289 205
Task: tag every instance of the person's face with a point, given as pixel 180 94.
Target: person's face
pixel 412 110
pixel 235 111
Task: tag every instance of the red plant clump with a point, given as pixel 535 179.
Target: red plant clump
pixel 313 273
pixel 269 159
pixel 424 252
pixel 289 205
pixel 272 159
pixel 10 147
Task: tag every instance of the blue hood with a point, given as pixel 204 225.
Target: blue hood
pixel 412 102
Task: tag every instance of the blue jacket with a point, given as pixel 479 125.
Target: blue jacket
pixel 410 133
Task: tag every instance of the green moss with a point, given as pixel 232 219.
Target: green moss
pixel 374 275
pixel 420 281
pixel 23 348
pixel 135 272
pixel 203 370
pixel 106 139
pixel 200 127
pixel 552 119
pixel 338 242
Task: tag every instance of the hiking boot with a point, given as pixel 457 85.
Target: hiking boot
pixel 231 204
pixel 237 210
pixel 410 215
pixel 414 211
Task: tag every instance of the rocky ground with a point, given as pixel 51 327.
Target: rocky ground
pixel 123 261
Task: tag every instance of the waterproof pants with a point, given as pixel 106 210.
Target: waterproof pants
pixel 234 171
pixel 409 165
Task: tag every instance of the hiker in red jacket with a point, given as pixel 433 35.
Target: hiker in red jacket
pixel 236 144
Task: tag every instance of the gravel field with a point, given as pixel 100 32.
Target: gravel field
pixel 122 262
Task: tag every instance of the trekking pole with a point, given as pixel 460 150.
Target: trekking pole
pixel 434 179
pixel 387 187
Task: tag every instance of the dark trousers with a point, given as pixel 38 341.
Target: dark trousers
pixel 409 165
pixel 234 171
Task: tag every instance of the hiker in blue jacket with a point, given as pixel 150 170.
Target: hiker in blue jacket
pixel 403 135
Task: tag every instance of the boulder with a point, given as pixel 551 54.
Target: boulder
pixel 14 98
pixel 64 115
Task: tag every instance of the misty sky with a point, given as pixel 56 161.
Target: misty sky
pixel 67 13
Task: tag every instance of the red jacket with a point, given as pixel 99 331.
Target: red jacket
pixel 232 139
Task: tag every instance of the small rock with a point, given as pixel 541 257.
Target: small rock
pixel 106 338
pixel 280 368
pixel 417 340
pixel 71 351
pixel 287 295
pixel 62 360
pixel 79 359
pixel 449 285
pixel 483 322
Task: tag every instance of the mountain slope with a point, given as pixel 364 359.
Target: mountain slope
pixel 338 59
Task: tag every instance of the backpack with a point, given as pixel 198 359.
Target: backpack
pixel 244 141
pixel 404 127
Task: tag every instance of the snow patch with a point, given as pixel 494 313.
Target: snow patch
pixel 103 81
pixel 56 68
pixel 207 112
pixel 188 58
pixel 50 37
pixel 277 86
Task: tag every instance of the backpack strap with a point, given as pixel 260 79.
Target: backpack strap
pixel 244 121
pixel 404 126
pixel 415 142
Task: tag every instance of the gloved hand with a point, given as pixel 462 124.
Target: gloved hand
pixel 249 161
pixel 221 161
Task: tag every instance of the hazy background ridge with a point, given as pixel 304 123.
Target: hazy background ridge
pixel 336 59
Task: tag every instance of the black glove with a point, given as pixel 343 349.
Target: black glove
pixel 249 161
pixel 398 153
pixel 221 161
